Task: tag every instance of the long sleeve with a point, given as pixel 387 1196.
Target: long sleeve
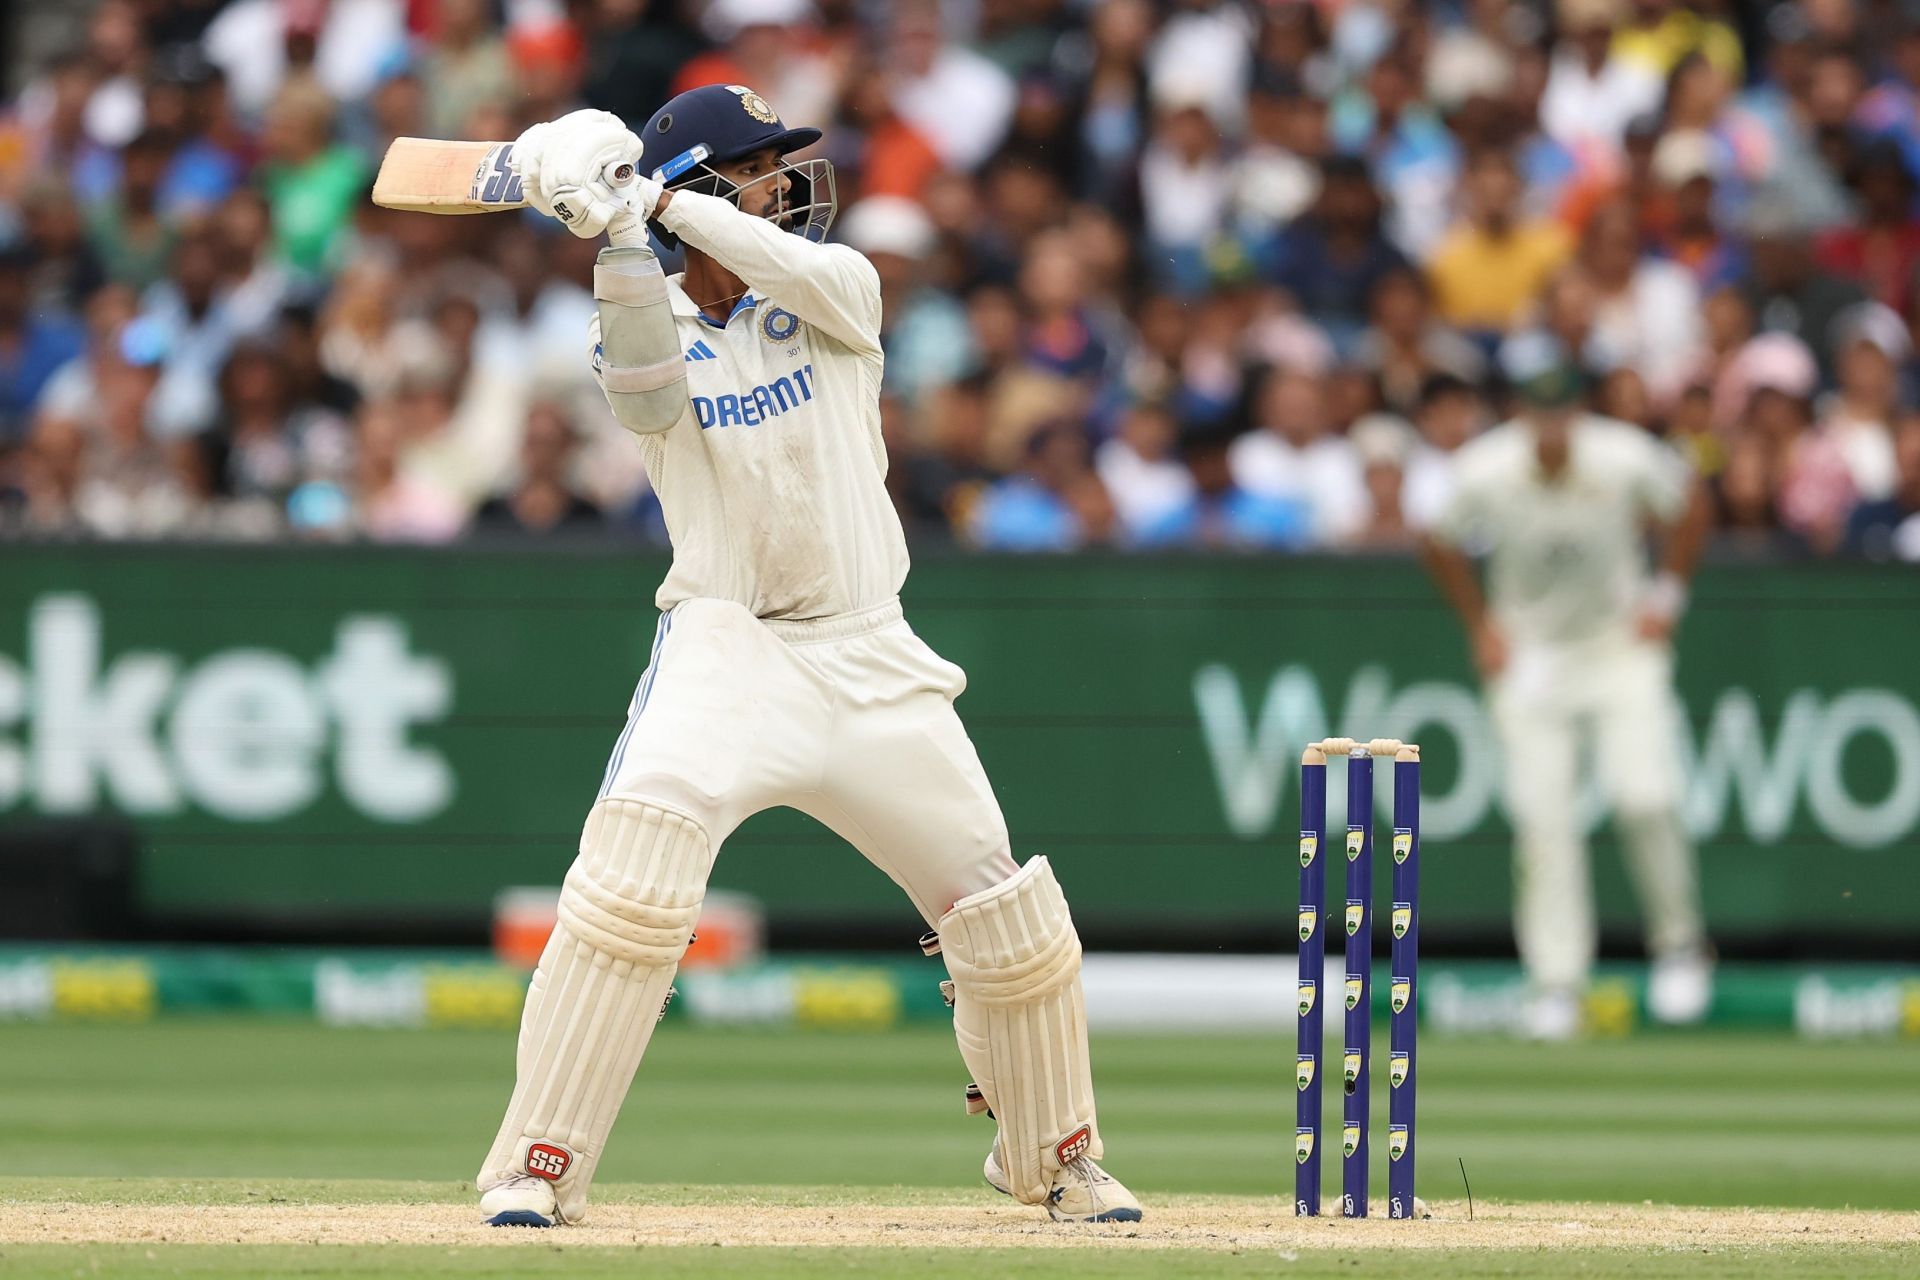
pixel 827 285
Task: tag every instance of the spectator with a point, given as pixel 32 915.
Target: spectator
pixel 128 231
pixel 33 346
pixel 340 47
pixel 891 157
pixel 1293 455
pixel 1413 158
pixel 543 501
pixel 1276 177
pixel 1787 292
pixel 940 484
pixel 1035 509
pixel 1882 250
pixel 771 45
pixel 1870 344
pixel 65 269
pixel 1111 108
pixel 389 504
pixel 923 330
pixel 1219 514
pixel 46 136
pixel 75 391
pixel 466 66
pixel 213 155
pixel 1448 414
pixel 634 49
pixel 1489 269
pixel 1663 33
pixel 1385 445
pixel 1405 346
pixel 935 77
pixel 1142 470
pixel 118 51
pixel 1686 231
pixel 1332 259
pixel 1647 311
pixel 1594 89
pixel 312 183
pixel 539 333
pixel 1214 34
pixel 1889 529
pixel 255 284
pixel 1184 183
pixel 191 306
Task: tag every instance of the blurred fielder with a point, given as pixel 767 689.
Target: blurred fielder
pixel 782 672
pixel 1573 641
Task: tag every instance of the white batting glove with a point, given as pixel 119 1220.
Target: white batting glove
pixel 584 169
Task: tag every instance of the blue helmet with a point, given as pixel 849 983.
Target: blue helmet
pixel 720 123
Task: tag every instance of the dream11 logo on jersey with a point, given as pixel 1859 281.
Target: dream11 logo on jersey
pixel 243 733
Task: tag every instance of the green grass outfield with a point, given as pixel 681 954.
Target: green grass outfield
pixel 1669 1119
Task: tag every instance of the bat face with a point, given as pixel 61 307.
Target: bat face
pixel 431 176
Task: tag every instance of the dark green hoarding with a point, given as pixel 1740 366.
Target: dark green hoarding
pixel 363 735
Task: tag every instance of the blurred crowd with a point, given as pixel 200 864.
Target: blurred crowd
pixel 1194 273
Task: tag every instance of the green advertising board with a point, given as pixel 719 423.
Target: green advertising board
pixel 374 735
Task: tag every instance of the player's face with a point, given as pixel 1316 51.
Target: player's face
pixel 762 181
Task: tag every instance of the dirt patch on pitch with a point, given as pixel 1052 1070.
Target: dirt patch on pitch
pixel 1234 1225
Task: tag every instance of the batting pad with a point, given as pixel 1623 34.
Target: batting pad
pixel 627 910
pixel 1021 1021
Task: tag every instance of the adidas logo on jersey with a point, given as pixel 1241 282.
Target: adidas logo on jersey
pixel 700 351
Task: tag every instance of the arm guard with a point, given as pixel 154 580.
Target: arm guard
pixel 638 360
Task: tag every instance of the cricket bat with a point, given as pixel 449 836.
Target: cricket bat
pixel 427 175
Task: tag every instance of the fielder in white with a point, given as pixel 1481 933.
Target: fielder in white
pixel 782 672
pixel 1573 640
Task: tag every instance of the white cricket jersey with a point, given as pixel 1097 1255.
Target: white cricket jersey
pixel 774 481
pixel 1567 554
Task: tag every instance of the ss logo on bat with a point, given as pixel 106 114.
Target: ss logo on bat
pixel 497 183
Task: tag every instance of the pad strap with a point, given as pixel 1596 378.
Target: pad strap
pixel 646 377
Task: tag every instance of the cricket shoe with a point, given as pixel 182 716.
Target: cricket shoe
pixel 522 1201
pixel 1680 987
pixel 1084 1193
pixel 1551 1015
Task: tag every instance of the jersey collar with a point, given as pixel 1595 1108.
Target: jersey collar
pixel 682 305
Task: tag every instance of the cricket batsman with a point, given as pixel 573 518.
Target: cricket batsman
pixel 782 671
pixel 1573 641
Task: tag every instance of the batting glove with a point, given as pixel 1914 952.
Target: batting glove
pixel 584 169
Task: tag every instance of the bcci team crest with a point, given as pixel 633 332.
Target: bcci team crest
pixel 1308 920
pixel 1302 1145
pixel 1306 998
pixel 1397 1069
pixel 753 104
pixel 1356 916
pixel 1303 1072
pixel 779 326
pixel 1401 994
pixel 1356 841
pixel 1356 986
pixel 1402 843
pixel 1350 1139
pixel 1396 1141
pixel 1309 846
pixel 1351 1072
pixel 1402 918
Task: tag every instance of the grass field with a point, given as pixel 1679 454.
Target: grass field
pixel 228 1148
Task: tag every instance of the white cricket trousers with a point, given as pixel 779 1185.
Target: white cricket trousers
pixel 1603 709
pixel 848 719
